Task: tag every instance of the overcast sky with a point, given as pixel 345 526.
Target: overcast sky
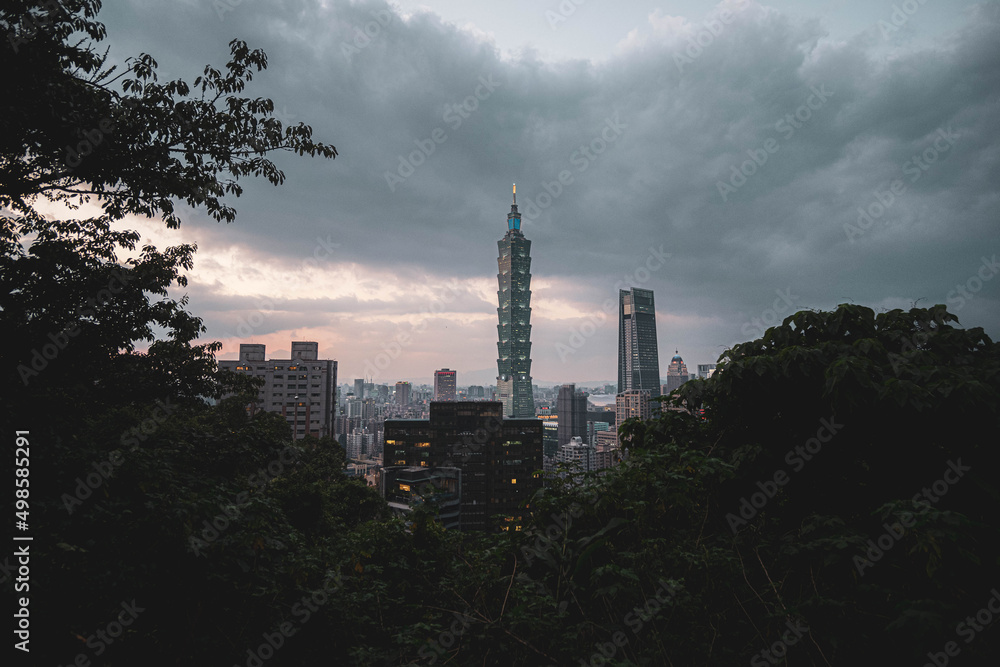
pixel 716 154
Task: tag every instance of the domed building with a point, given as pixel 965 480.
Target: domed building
pixel 677 374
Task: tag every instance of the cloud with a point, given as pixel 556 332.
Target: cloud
pixel 396 94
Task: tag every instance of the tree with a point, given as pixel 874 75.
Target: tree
pixel 127 432
pixel 78 131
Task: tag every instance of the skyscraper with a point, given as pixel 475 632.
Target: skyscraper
pixel 638 358
pixel 514 313
pixel 444 385
pixel 571 406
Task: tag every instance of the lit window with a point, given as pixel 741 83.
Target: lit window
pixel 404 487
pixel 513 481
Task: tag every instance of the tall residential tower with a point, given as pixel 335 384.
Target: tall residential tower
pixel 514 313
pixel 638 358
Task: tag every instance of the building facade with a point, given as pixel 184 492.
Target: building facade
pixel 444 385
pixel 302 389
pixel 578 455
pixel 677 373
pixel 514 314
pixel 498 457
pixel 571 408
pixel 632 404
pixel 638 357
pixel 402 395
pixel 407 487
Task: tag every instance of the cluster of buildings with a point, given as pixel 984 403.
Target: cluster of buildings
pixel 472 455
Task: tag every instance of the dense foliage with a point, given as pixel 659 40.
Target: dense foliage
pixel 826 498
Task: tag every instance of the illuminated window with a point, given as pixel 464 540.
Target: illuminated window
pixel 422 444
pixel 513 481
pixel 404 487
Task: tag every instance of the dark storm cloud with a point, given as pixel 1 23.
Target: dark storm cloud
pixel 654 150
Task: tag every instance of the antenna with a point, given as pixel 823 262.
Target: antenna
pixel 515 193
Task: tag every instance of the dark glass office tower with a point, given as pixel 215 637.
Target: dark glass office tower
pixel 638 359
pixel 514 313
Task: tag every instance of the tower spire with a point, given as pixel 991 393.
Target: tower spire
pixel 514 218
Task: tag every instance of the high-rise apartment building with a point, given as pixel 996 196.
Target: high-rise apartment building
pixel 402 395
pixel 571 407
pixel 577 455
pixel 514 314
pixel 632 403
pixel 638 358
pixel 303 389
pixel 444 385
pixel 359 388
pixel 498 457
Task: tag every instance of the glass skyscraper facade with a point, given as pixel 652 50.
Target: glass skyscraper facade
pixel 638 358
pixel 514 313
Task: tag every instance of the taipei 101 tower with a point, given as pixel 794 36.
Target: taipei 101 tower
pixel 514 313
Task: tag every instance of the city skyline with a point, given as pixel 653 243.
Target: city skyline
pixel 819 108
